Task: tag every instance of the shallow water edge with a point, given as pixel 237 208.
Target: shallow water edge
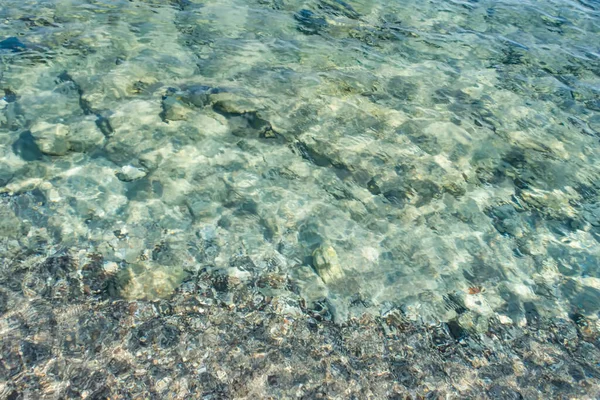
pixel 219 338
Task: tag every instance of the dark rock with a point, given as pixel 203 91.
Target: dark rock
pixel 155 332
pixel 397 197
pixel 531 314
pixel 173 109
pixel 5 174
pixel 26 148
pixel 250 124
pixel 32 353
pixel 400 88
pixel 94 277
pixel 12 44
pixel 506 219
pixel 403 373
pixel 14 395
pixel 565 333
pixel 310 153
pixel 427 191
pixel 54 279
pixel 415 130
pixel 440 336
pixel 9 96
pixel 104 125
pixel 4 306
pixel 495 371
pixel 593 105
pixel 457 331
pixel 338 7
pixel 309 23
pixel 198 96
pixel 503 393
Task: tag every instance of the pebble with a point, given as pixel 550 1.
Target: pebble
pixel 129 173
pixel 326 263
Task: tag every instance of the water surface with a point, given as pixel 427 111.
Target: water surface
pixel 437 157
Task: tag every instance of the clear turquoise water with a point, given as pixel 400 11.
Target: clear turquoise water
pixel 442 155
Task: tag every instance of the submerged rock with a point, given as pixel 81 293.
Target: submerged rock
pixel 309 22
pixel 130 173
pixel 338 7
pixel 173 109
pixel 326 263
pixel 232 101
pixel 51 139
pixel 5 174
pixel 199 96
pixel 9 96
pixel 12 44
pixel 85 135
pixel 143 282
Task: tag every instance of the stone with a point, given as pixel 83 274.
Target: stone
pixel 198 96
pixel 309 23
pixel 6 174
pixel 137 282
pixel 129 173
pixel 12 44
pixel 85 135
pixel 229 102
pixel 9 96
pixel 51 139
pixel 173 109
pixel 338 8
pixel 326 263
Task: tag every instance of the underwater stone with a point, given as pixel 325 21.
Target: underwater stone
pixel 173 109
pixel 11 225
pixel 145 282
pixel 130 173
pixel 401 88
pixel 12 44
pixel 85 135
pixel 231 103
pixel 51 139
pixel 5 174
pixel 338 7
pixel 199 95
pixel 326 263
pixel 9 96
pixel 309 23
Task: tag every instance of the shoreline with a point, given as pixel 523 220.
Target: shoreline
pixel 215 341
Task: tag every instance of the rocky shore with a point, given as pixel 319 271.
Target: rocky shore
pixel 64 336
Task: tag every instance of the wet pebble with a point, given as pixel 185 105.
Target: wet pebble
pixel 326 263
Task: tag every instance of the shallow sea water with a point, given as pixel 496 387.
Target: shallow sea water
pixel 437 148
pixel 440 158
